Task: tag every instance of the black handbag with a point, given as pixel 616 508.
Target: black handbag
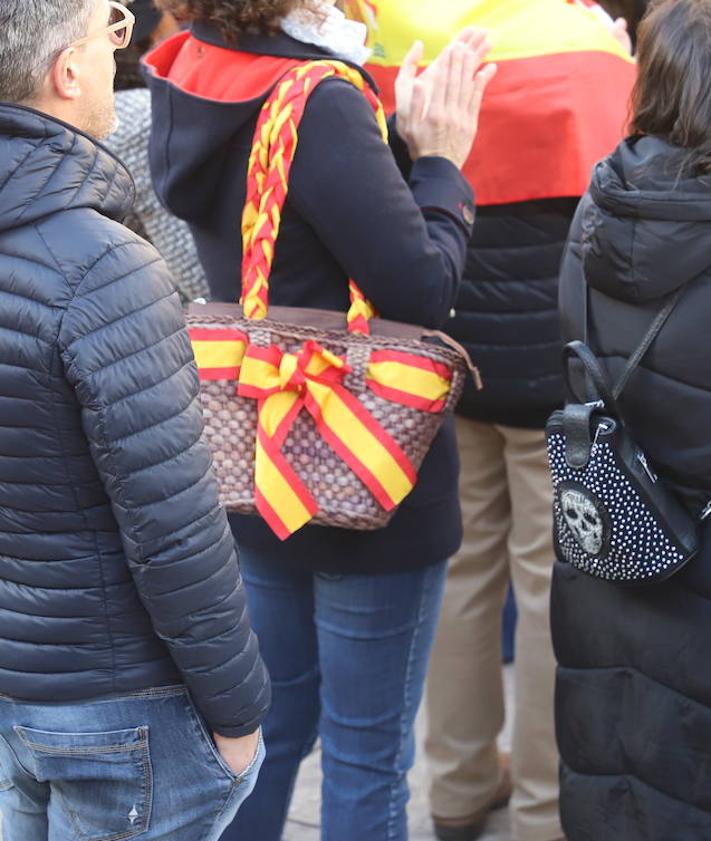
pixel 614 518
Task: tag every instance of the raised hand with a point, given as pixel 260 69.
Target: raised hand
pixel 438 111
pixel 619 30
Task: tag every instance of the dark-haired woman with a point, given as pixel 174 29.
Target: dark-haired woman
pixel 345 618
pixel 634 688
pixel 171 236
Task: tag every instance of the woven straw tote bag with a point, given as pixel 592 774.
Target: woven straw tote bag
pixel 313 416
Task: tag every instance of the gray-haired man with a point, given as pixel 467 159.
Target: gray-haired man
pixel 131 686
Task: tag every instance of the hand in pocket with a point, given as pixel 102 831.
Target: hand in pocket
pixel 238 753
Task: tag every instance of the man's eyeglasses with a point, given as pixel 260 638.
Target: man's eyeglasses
pixel 119 29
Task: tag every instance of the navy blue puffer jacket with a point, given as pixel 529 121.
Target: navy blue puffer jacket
pixel 118 570
pixel 507 311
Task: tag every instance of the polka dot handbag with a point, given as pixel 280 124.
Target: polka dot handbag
pixel 614 518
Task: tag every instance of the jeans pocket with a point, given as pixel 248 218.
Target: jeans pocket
pixel 217 756
pixel 103 781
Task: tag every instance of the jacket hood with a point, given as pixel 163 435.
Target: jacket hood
pixel 49 166
pixel 647 230
pixel 204 93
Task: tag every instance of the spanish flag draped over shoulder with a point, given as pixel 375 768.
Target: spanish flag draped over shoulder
pixel 558 103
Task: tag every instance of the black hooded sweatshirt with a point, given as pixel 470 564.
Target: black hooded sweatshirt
pixel 349 213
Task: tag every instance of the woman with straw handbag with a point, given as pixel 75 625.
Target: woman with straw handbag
pixel 346 617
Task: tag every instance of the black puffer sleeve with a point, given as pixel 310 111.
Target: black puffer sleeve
pixel 128 356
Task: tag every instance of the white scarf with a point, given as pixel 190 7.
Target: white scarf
pixel 329 28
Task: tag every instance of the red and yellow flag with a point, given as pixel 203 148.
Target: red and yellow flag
pixel 559 101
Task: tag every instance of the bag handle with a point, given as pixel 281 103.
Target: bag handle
pixel 593 368
pixel 273 151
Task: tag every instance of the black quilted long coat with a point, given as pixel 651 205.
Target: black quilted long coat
pixel 634 681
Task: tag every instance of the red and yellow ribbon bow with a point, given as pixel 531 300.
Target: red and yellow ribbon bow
pixel 312 379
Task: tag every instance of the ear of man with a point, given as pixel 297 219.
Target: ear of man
pixel 64 78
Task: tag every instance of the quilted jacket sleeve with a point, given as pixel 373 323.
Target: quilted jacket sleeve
pixel 127 354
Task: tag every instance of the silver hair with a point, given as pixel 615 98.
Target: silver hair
pixel 32 34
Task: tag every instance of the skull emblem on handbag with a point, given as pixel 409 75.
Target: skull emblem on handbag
pixel 584 520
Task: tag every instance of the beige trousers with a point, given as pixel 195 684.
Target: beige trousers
pixel 506 503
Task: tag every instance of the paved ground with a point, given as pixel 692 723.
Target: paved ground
pixel 304 819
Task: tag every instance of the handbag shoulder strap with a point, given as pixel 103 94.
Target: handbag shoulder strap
pixel 593 369
pixel 275 141
pixel 654 330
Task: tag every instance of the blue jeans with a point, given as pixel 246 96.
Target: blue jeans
pixel 141 766
pixel 348 656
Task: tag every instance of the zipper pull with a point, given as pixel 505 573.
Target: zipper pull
pixel 647 469
pixel 601 428
pixel 707 511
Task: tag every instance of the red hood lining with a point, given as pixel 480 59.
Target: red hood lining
pixel 216 73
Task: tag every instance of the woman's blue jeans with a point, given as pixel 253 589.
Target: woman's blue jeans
pixel 348 656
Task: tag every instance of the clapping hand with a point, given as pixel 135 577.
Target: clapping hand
pixel 438 111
